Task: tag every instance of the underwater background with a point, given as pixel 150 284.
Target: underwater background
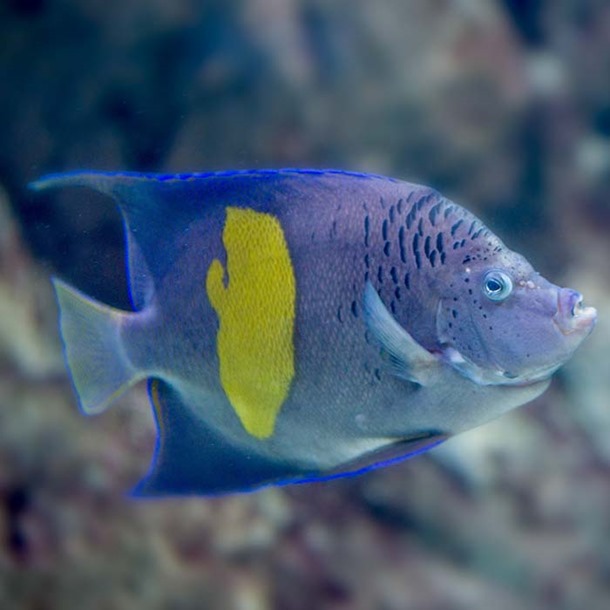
pixel 503 106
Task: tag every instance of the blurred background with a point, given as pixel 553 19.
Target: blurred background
pixel 504 106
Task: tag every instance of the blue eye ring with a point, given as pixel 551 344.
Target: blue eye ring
pixel 497 285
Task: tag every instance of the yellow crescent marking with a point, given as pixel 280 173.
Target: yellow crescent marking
pixel 256 313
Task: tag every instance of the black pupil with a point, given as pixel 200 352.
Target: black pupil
pixel 494 285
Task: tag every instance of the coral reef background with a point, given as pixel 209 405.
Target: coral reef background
pixel 503 106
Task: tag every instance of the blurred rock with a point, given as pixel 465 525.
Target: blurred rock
pixel 588 375
pixel 28 327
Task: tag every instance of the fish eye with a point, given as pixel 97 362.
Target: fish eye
pixel 497 285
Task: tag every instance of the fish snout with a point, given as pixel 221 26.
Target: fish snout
pixel 572 316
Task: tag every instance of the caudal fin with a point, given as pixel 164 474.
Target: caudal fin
pixel 93 348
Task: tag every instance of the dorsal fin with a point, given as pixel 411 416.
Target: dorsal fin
pixel 158 209
pixel 148 220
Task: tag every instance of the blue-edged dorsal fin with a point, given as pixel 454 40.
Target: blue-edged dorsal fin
pixel 146 215
pixel 193 459
pixel 406 357
pixel 160 209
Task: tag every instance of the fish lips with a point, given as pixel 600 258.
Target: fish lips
pixel 572 317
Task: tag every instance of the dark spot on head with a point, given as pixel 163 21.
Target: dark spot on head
pixel 384 229
pixel 401 244
pixel 434 210
pixel 386 248
pixel 455 227
pixel 354 308
pixel 427 246
pixel 439 242
pixel 410 218
pixel 416 250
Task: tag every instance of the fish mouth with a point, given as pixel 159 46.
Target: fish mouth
pixel 572 316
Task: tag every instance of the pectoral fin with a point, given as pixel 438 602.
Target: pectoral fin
pixel 407 358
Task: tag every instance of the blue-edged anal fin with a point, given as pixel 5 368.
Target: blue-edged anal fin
pixel 191 458
pixel 406 357
pixel 392 453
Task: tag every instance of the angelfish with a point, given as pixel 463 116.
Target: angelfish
pixel 295 325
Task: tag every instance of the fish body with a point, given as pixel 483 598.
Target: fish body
pixel 301 324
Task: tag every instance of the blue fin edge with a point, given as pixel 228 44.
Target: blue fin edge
pixel 368 468
pixel 63 177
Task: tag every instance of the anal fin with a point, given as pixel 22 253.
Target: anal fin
pixel 193 459
pixel 392 453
